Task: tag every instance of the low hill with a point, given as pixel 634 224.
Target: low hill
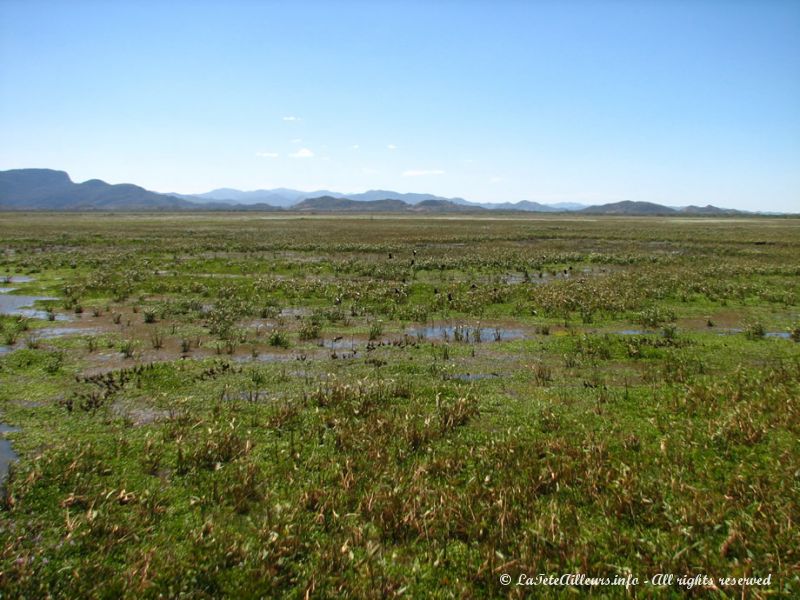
pixel 331 204
pixel 709 210
pixel 440 206
pixel 628 207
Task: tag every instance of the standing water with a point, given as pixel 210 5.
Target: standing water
pixel 7 454
pixel 12 304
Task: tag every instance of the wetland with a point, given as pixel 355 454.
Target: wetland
pixel 276 406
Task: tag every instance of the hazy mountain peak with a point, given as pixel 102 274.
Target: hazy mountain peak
pixel 47 189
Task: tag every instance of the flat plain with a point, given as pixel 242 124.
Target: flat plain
pixel 266 405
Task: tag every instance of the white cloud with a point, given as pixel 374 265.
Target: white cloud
pixel 296 141
pixel 392 147
pixel 422 172
pixel 290 118
pixel 302 153
pixel 355 146
pixel 495 180
pixel 267 154
pixel 369 171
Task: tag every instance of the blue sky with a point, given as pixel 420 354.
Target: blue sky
pixel 677 102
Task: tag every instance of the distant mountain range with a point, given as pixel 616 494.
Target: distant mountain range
pixel 331 204
pixel 285 198
pixel 46 189
pixel 280 197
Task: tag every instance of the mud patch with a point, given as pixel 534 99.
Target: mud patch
pixel 56 332
pixel 295 312
pixel 340 343
pixel 265 358
pixel 139 415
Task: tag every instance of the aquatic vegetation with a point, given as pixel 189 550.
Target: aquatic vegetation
pixel 755 330
pixel 290 407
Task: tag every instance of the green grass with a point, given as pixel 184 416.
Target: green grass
pixel 240 458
